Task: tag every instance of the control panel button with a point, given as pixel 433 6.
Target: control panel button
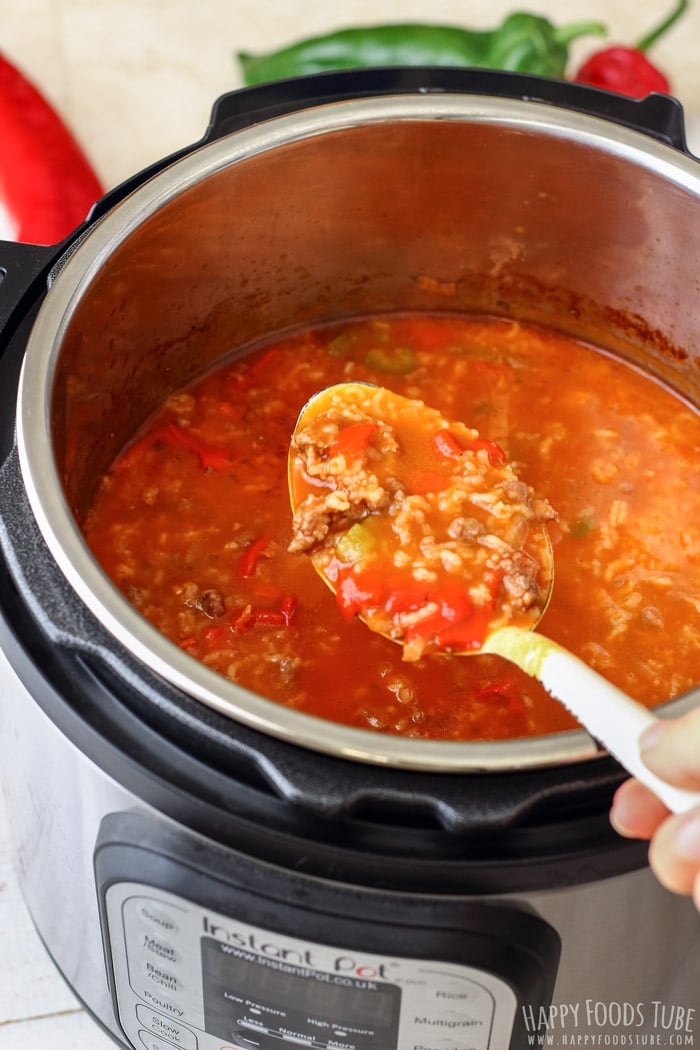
pixel 152 1042
pixel 157 975
pixel 154 998
pixel 159 948
pixel 166 1028
pixel 153 914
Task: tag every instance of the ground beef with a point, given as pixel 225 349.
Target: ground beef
pixel 352 490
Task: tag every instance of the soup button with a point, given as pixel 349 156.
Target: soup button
pixel 163 1031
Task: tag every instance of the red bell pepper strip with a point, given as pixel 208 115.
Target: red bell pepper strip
pixel 356 591
pixel 422 482
pixel 251 556
pixel 281 617
pixel 448 445
pixel 210 456
pixel 253 615
pixel 456 622
pixel 505 689
pixel 46 182
pixel 627 70
pixel 352 440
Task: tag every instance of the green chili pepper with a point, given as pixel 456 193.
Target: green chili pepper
pixel 523 43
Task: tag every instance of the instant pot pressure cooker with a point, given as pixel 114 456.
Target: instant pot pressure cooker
pixel 208 869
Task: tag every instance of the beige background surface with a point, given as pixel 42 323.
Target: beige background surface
pixel 136 78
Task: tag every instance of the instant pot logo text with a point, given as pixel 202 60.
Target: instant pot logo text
pixel 594 1023
pixel 264 944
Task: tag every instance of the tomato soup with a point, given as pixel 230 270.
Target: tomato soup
pixel 193 523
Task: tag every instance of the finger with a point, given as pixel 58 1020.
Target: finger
pixel 671 749
pixel 674 853
pixel 636 813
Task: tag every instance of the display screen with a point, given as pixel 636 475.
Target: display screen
pixel 277 996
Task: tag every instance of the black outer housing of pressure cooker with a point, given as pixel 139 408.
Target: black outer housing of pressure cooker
pixel 364 824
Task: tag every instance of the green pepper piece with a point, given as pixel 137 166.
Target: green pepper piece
pixel 355 544
pixel 583 525
pixel 395 359
pixel 523 42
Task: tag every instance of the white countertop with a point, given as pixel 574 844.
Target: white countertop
pixel 136 80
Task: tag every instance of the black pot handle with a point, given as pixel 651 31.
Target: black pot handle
pixel 658 116
pixel 23 271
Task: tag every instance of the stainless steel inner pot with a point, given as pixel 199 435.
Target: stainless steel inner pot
pixel 513 208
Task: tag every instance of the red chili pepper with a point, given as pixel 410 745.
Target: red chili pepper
pixel 46 182
pixel 627 70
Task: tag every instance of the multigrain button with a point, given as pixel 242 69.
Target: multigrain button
pixel 166 1028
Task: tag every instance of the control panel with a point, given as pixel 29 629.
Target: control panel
pixel 187 977
pixel 207 948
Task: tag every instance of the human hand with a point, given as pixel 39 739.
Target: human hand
pixel 671 749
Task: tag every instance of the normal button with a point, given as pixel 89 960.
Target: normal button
pixel 166 1028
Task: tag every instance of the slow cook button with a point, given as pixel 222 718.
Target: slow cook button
pixel 166 1028
pixel 152 1042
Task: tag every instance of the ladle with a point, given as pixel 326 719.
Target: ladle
pixel 609 714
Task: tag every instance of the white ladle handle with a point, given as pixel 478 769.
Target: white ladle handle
pixel 612 717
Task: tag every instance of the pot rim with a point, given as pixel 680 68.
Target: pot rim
pixel 70 282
